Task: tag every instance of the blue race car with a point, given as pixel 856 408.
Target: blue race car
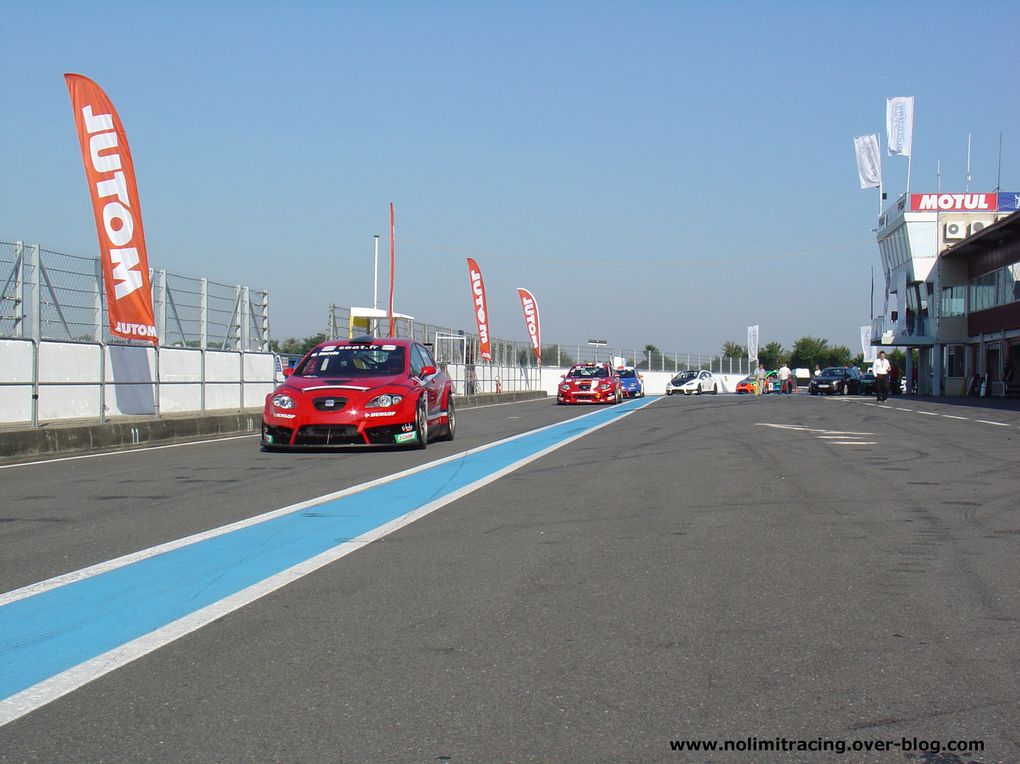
pixel 632 383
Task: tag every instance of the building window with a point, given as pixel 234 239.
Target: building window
pixel 954 360
pixel 999 287
pixel 953 298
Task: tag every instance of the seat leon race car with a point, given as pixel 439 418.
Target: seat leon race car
pixel 361 392
pixel 590 383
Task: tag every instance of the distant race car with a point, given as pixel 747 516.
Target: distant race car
pixel 746 385
pixel 693 383
pixel 632 382
pixel 361 392
pixel 590 383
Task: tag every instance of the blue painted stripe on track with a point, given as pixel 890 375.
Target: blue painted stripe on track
pixel 48 633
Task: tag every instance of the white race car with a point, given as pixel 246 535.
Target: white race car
pixel 693 383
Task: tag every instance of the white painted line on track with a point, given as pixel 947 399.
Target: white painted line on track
pixel 119 451
pixel 853 443
pixel 42 693
pixel 143 554
pixel 903 409
pixel 951 416
pixel 997 424
pixel 926 413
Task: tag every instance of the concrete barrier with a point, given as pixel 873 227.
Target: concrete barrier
pixel 137 432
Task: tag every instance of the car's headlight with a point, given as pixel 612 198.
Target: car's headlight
pixel 564 387
pixel 605 386
pixel 283 401
pixel 384 401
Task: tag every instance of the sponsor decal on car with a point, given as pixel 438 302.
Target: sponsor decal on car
pixel 405 437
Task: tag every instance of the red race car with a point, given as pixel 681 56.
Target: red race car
pixel 590 383
pixel 361 392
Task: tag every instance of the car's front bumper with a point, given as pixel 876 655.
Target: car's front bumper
pixel 297 428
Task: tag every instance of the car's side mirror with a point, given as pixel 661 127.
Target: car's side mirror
pixel 427 371
pixel 288 371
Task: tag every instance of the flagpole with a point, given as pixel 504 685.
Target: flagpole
pixel 375 275
pixel 880 174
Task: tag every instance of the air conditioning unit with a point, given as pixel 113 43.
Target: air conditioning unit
pixel 954 231
pixel 979 225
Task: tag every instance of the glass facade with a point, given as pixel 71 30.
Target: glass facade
pixel 953 301
pixel 999 287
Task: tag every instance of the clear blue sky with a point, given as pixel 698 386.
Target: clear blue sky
pixel 662 173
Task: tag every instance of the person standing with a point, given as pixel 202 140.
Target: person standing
pixel 881 370
pixel 784 379
pixel 759 379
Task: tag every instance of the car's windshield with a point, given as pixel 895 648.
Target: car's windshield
pixel 627 374
pixel 333 361
pixel 835 371
pixel 586 372
pixel 683 376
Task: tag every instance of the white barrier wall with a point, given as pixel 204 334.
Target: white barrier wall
pixel 70 374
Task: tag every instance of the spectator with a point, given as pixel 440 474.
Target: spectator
pixel 881 369
pixel 784 379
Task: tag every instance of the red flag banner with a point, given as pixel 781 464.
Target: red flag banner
pixel 111 178
pixel 532 321
pixel 393 261
pixel 480 306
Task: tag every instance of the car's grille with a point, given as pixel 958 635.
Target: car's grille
pixel 328 435
pixel 276 435
pixel 329 403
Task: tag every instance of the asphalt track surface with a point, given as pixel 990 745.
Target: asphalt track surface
pixel 712 568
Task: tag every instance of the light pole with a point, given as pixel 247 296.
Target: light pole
pixel 375 275
pixel 597 344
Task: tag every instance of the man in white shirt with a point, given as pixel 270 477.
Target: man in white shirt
pixel 784 379
pixel 881 371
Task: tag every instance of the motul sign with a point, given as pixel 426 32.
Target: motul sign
pixel 480 307
pixel 953 202
pixel 111 178
pixel 531 320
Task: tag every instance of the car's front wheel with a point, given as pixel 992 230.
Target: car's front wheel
pixel 421 425
pixel 451 420
pixel 715 389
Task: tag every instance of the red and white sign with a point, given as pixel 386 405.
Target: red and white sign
pixel 953 202
pixel 481 309
pixel 531 320
pixel 111 178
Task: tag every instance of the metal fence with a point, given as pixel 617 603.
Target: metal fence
pixel 518 358
pixel 52 300
pixel 51 295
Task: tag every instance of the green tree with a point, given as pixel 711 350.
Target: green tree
pixel 553 353
pixel 653 358
pixel 772 355
pixel 732 349
pixel 808 352
pixel 839 355
pixel 295 346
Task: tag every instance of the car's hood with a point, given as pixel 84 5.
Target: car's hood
pixel 355 384
pixel 830 378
